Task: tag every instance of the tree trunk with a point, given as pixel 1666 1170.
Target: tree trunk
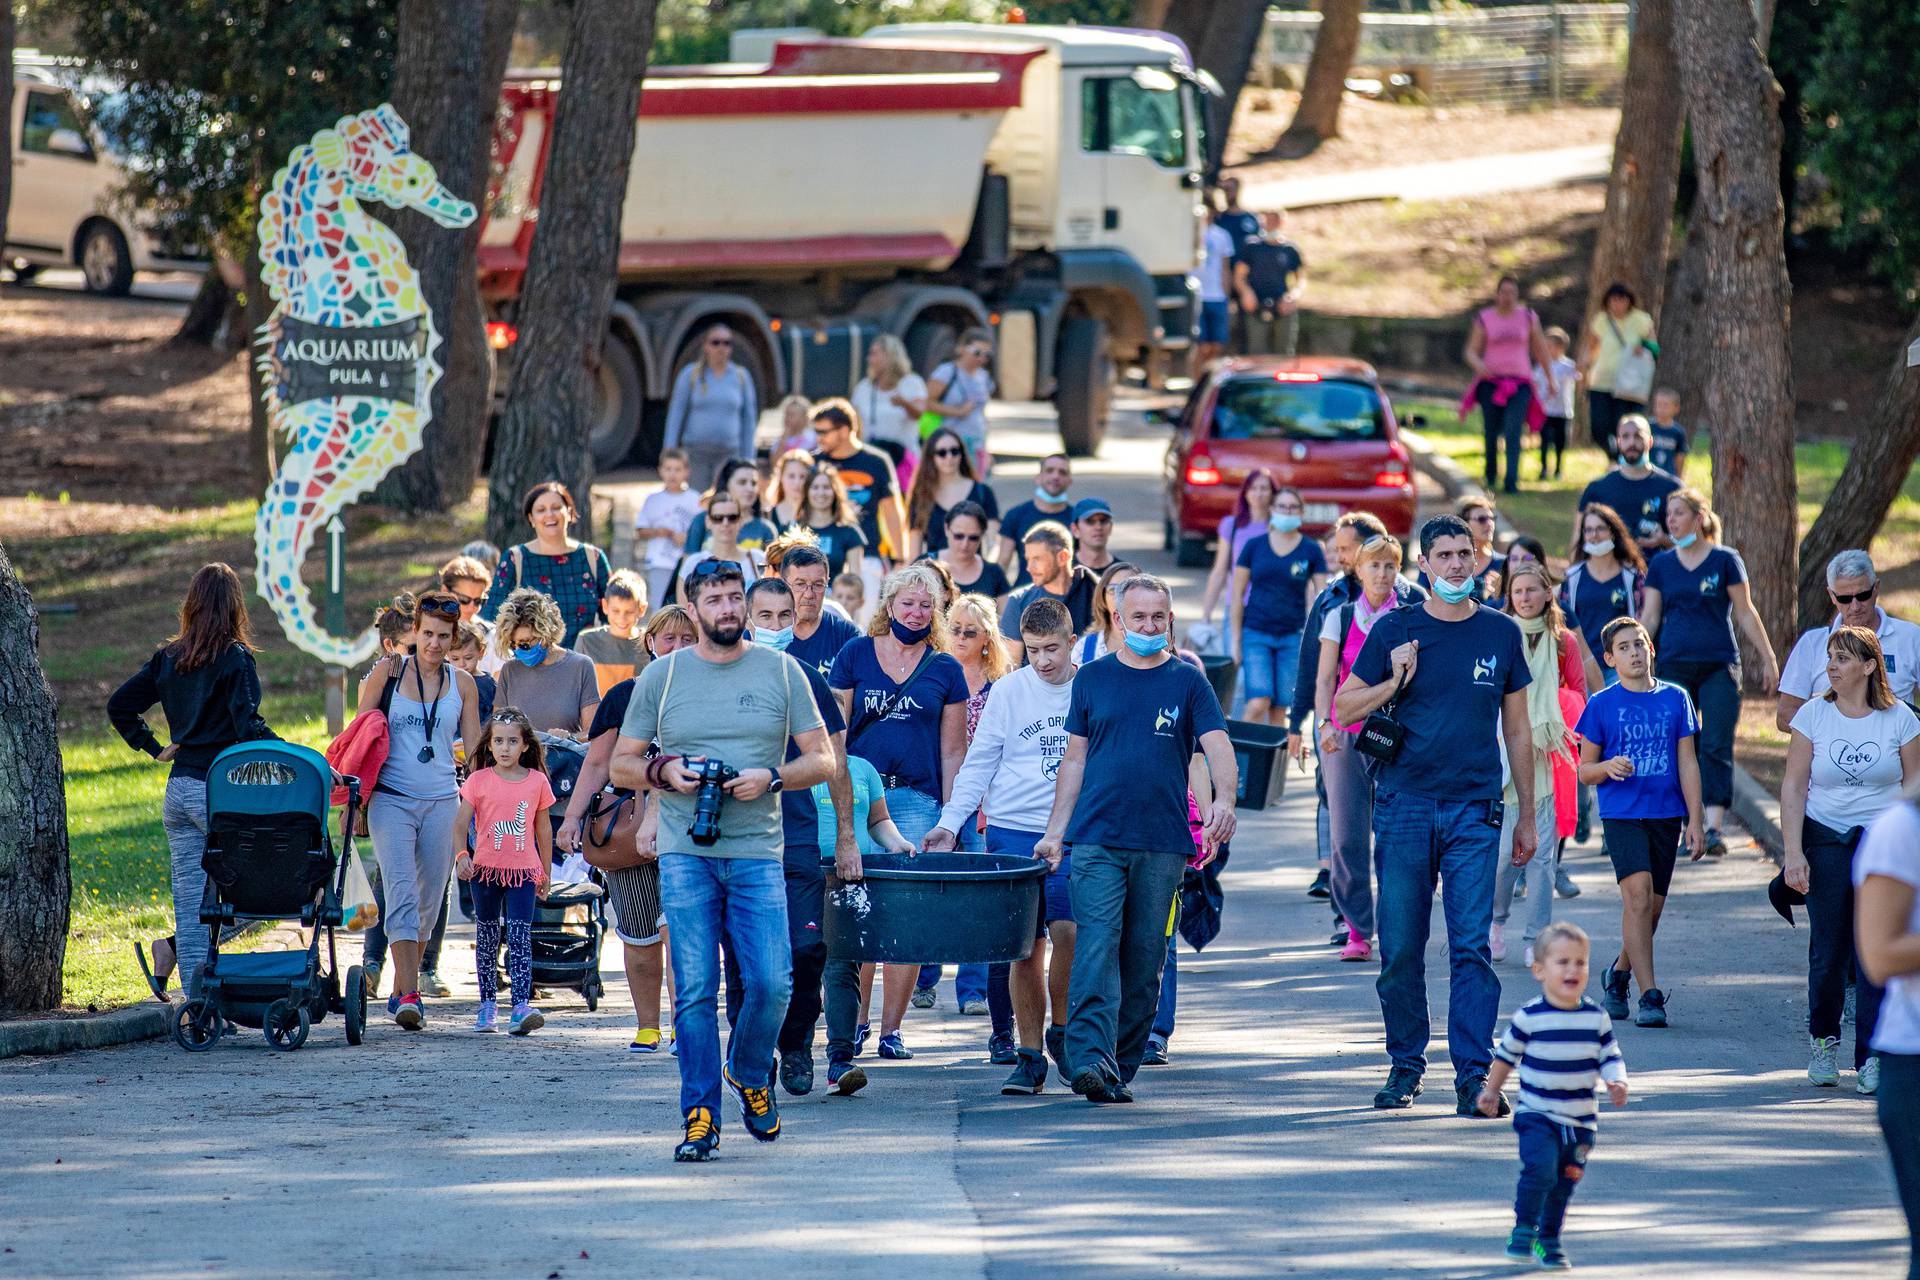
pixel 1149 15
pixel 1187 20
pixel 1317 118
pixel 1876 467
pixel 6 113
pixel 570 278
pixel 262 448
pixel 1638 222
pixel 1227 52
pixel 449 63
pixel 215 311
pixel 35 883
pixel 1733 106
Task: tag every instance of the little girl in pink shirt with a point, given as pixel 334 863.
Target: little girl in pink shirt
pixel 507 798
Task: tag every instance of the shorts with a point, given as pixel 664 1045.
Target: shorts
pixel 636 903
pixel 1056 898
pixel 1644 844
pixel 1271 663
pixel 1215 324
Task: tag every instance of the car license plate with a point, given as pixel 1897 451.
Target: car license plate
pixel 1322 512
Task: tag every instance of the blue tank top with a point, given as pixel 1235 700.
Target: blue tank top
pixel 405 773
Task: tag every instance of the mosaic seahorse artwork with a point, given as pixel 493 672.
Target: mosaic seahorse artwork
pixel 348 355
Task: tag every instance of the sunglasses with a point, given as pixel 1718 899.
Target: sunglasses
pixel 1482 518
pixel 962 537
pixel 469 602
pixel 946 453
pixel 1857 597
pixel 445 608
pixel 719 342
pixel 723 519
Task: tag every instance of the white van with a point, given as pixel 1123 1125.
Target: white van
pixel 66 210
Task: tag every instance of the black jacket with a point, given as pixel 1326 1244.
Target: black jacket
pixel 208 709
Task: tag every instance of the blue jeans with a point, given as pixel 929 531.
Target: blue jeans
pixel 1169 996
pixel 1418 842
pixel 1552 1158
pixel 1127 902
pixel 743 902
pixel 1271 662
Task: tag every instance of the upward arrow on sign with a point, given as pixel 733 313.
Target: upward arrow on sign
pixel 336 553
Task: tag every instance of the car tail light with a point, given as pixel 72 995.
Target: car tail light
pixel 1294 375
pixel 501 335
pixel 1393 472
pixel 1201 471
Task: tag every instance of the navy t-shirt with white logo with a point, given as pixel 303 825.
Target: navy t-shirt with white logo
pixel 1277 585
pixel 1450 710
pixel 818 650
pixel 1595 603
pixel 1696 613
pixel 906 744
pixel 1142 728
pixel 1641 503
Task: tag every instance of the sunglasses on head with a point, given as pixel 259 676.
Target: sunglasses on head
pixel 713 571
pixel 445 608
pixel 1858 596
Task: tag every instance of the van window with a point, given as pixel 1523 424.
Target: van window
pixel 1262 408
pixel 45 113
pixel 1118 114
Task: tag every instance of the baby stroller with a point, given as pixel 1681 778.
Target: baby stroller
pixel 270 856
pixel 569 920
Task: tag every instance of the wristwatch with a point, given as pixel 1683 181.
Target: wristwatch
pixel 778 784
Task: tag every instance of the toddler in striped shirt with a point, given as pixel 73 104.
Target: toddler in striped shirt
pixel 1558 1046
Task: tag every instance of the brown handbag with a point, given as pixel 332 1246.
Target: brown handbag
pixel 613 831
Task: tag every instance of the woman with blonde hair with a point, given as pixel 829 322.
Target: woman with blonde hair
pixel 555 687
pixel 714 408
pixel 890 400
pixel 1695 594
pixel 787 495
pixel 795 429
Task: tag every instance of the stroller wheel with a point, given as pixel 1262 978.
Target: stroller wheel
pixel 286 1025
pixel 356 1004
pixel 196 1028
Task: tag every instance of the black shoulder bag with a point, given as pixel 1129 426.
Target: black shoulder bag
pixel 1381 735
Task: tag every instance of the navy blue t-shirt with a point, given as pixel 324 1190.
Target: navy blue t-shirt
pixel 1021 517
pixel 1596 602
pixel 818 650
pixel 907 743
pixel 1451 708
pixel 1277 585
pixel 799 818
pixel 488 689
pixel 1242 225
pixel 1669 446
pixel 1696 613
pixel 1142 728
pixel 1641 503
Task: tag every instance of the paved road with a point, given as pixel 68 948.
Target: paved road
pixel 1437 180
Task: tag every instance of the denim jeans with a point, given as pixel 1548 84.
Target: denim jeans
pixel 1126 903
pixel 1539 871
pixel 1716 693
pixel 1830 942
pixel 1417 843
pixel 806 891
pixel 1899 1099
pixel 1552 1158
pixel 1506 422
pixel 1163 1015
pixel 743 903
pixel 183 816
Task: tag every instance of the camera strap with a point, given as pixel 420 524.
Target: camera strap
pixel 887 704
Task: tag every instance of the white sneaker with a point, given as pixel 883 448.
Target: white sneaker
pixel 1497 941
pixel 1824 1069
pixel 1529 955
pixel 1867 1082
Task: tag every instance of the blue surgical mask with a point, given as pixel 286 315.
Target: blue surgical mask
pixel 1284 524
pixel 1450 593
pixel 1041 495
pixel 1681 544
pixel 1146 646
pixel 531 657
pixel 772 639
pixel 907 635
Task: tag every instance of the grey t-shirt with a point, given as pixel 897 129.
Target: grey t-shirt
pixel 552 696
pixel 600 645
pixel 739 712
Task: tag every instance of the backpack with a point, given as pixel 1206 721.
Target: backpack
pixel 361 749
pixel 1570 586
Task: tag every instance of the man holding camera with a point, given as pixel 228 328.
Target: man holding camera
pixel 722 712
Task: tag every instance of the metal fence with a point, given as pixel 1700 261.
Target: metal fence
pixel 1516 56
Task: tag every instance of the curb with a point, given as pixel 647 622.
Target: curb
pixel 64 1035
pixel 1759 812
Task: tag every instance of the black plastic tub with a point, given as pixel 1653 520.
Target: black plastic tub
pixel 936 908
pixel 1261 750
pixel 1223 673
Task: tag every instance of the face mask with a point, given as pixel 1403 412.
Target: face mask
pixel 1146 646
pixel 531 657
pixel 1683 543
pixel 1597 548
pixel 772 639
pixel 1283 524
pixel 908 635
pixel 1041 495
pixel 1450 593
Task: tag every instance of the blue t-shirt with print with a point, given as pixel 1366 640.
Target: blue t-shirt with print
pixel 798 821
pixel 1646 728
pixel 1595 602
pixel 866 790
pixel 1641 503
pixel 1142 727
pixel 1696 612
pixel 1277 585
pixel 818 650
pixel 1669 446
pixel 906 743
pixel 1450 710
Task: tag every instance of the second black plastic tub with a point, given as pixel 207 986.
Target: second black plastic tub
pixel 936 908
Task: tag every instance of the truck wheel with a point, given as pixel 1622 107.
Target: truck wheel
pixel 1083 368
pixel 930 344
pixel 616 406
pixel 104 260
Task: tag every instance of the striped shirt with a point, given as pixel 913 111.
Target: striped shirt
pixel 1558 1055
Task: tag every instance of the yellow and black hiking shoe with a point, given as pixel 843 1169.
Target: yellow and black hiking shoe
pixel 702 1140
pixel 757 1109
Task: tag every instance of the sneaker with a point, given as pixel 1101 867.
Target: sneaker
pixel 844 1079
pixel 673 1043
pixel 1401 1088
pixel 1846 1007
pixel 860 1034
pixel 1653 1009
pixel 1029 1074
pixel 1338 938
pixel 408 1012
pixel 1526 957
pixel 1156 1053
pixel 1000 1050
pixel 1497 940
pixel 431 985
pixel 702 1140
pixel 1716 846
pixel 1097 1087
pixel 1357 948
pixel 526 1019
pixel 1563 884
pixel 892 1046
pixel 488 1018
pixel 1056 1041
pixel 926 997
pixel 1520 1244
pixel 372 980
pixel 1322 886
pixel 1582 828
pixel 1823 1068
pixel 393 1004
pixel 974 1008
pixel 1466 1097
pixel 1519 891
pixel 645 1040
pixel 1613 991
pixel 758 1110
pixel 796 1072
pixel 1548 1253
pixel 1866 1082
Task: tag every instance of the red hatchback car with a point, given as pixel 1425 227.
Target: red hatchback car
pixel 1319 423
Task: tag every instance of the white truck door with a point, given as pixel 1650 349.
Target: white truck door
pixel 56 178
pixel 1132 120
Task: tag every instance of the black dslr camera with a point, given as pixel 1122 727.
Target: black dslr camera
pixel 714 776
